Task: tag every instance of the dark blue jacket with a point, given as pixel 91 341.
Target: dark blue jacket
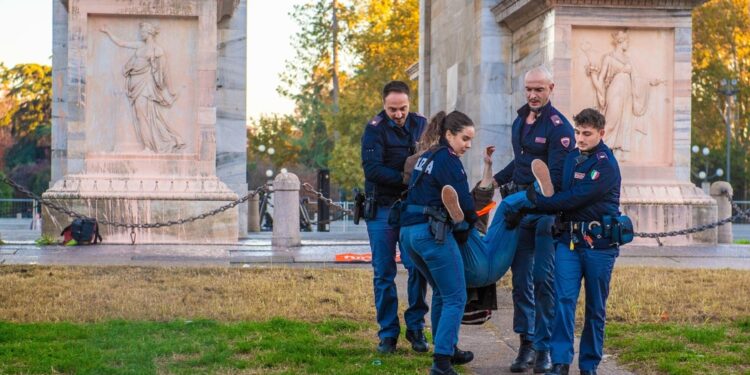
pixel 445 168
pixel 385 147
pixel 590 187
pixel 551 139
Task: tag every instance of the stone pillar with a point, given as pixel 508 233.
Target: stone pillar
pixel 253 214
pixel 286 212
pixel 722 192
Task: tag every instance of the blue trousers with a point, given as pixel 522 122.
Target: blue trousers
pixel 383 240
pixel 443 267
pixel 533 280
pixel 486 259
pixel 594 266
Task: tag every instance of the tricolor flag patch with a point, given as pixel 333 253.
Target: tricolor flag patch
pixel 595 174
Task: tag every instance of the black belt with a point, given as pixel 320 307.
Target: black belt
pixel 586 232
pixel 512 188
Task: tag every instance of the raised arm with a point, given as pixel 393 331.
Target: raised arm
pixel 120 42
pixel 487 179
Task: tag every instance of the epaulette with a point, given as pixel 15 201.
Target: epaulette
pixel 420 115
pixel 601 155
pixel 556 120
pixel 375 120
pixel 451 152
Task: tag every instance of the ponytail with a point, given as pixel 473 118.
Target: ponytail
pixel 441 123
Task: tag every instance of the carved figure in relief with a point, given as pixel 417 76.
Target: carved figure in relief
pixel 622 95
pixel 148 91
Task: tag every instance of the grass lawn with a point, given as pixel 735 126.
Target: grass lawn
pixel 145 320
pixel 276 346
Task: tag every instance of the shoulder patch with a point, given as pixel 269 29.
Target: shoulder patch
pixel 375 120
pixel 601 155
pixel 565 141
pixel 556 120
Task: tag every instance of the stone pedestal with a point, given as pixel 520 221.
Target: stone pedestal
pixel 286 232
pixel 629 59
pixel 140 101
pixel 722 192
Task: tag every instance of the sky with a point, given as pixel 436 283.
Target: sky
pixel 26 37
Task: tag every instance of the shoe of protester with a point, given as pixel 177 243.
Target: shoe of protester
pixel 450 201
pixel 541 173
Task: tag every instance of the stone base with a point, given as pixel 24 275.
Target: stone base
pixel 146 201
pixel 660 206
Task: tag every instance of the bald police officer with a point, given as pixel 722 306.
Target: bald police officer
pixel 388 139
pixel 539 132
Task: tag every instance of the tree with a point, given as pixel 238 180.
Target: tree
pixel 27 113
pixel 721 50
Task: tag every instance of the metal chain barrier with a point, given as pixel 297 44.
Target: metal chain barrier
pixel 342 212
pixel 133 226
pixel 740 214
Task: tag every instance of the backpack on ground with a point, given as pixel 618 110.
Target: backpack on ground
pixel 83 231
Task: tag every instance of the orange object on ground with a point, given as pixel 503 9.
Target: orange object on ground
pixel 487 209
pixel 358 258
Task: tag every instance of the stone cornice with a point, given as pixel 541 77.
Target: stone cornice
pixel 224 8
pixel 515 13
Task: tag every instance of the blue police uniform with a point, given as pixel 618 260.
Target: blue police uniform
pixel 385 147
pixel 440 263
pixel 550 138
pixel 590 193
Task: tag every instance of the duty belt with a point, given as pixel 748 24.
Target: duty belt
pixel 512 188
pixel 435 212
pixel 586 231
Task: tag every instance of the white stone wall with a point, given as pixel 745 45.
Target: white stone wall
pixel 465 63
pixel 231 114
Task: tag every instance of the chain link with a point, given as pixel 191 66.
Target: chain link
pixel 327 201
pixel 53 205
pixel 740 214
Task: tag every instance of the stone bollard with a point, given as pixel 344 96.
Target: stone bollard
pixel 285 211
pixel 719 191
pixel 253 214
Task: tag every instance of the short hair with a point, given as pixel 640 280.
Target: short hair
pixel 395 86
pixel 543 70
pixel 590 117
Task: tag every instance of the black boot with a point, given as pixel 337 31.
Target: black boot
pixel 558 369
pixel 588 372
pixel 543 362
pixel 461 357
pixel 387 345
pixel 417 340
pixel 441 365
pixel 525 357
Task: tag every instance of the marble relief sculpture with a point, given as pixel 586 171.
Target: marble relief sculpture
pixel 622 95
pixel 148 91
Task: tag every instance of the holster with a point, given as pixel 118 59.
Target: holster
pixel 359 207
pixel 438 221
pixel 370 208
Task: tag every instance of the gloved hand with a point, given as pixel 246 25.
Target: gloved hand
pixel 461 232
pixel 513 219
pixel 531 194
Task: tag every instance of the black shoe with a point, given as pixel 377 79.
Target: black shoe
pixel 525 358
pixel 417 340
pixel 558 369
pixel 543 362
pixel 588 372
pixel 461 357
pixel 387 345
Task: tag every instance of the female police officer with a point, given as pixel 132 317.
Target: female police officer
pixel 433 248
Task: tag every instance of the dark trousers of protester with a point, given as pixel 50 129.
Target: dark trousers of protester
pixel 594 266
pixel 533 280
pixel 383 238
pixel 443 267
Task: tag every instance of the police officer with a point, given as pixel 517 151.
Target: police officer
pixel 388 139
pixel 589 199
pixel 539 132
pixel 432 242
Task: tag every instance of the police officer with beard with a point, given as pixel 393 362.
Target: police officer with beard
pixel 388 139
